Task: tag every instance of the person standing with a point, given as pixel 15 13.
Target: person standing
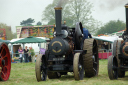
pixel 32 53
pixel 26 54
pixel 20 51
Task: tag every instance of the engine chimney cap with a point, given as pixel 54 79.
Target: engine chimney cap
pixel 126 5
pixel 58 8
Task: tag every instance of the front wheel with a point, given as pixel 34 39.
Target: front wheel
pixel 40 68
pixel 78 67
pixel 112 68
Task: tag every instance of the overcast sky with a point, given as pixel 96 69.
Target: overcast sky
pixel 12 12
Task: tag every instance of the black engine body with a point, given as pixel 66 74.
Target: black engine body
pixel 61 51
pixel 63 46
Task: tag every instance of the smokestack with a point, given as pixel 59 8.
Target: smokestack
pixel 126 6
pixel 58 17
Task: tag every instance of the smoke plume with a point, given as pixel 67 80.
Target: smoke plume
pixel 61 2
pixel 110 5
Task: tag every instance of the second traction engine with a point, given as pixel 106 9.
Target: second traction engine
pixel 118 62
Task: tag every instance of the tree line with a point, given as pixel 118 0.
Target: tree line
pixel 76 11
pixel 112 26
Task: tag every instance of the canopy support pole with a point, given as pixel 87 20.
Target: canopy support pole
pixel 12 50
pixel 23 46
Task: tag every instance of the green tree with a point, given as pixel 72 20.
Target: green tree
pixel 9 34
pixel 73 11
pixel 112 26
pixel 81 10
pixel 49 13
pixel 29 21
pixel 39 23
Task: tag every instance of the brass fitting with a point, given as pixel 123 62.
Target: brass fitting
pixel 126 6
pixel 58 8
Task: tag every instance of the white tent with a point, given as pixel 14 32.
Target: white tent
pixel 35 46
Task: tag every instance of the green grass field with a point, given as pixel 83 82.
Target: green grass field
pixel 24 74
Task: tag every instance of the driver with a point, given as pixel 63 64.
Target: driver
pixel 86 33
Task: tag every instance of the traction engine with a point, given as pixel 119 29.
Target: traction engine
pixel 68 52
pixel 118 62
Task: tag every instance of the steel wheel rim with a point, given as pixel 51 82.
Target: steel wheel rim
pixel 5 62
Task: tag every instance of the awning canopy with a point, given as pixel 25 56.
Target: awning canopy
pixel 30 40
pixel 107 38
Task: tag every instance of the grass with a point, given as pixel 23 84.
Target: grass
pixel 24 74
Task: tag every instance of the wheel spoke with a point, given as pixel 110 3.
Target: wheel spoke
pixel 95 70
pixel 1 59
pixel 3 74
pixel 5 56
pixel 1 50
pixel 95 62
pixel 6 67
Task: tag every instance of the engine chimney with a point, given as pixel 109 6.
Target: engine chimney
pixel 58 18
pixel 126 6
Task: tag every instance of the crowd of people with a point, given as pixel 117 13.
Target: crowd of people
pixel 26 53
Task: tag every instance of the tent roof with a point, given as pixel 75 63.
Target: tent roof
pixel 106 38
pixel 30 40
pixel 5 41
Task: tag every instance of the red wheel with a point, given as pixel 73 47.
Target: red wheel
pixel 5 62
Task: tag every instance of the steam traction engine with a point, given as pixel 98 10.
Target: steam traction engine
pixel 5 62
pixel 68 52
pixel 118 62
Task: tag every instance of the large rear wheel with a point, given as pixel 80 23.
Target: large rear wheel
pixel 91 59
pixel 5 62
pixel 41 68
pixel 78 68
